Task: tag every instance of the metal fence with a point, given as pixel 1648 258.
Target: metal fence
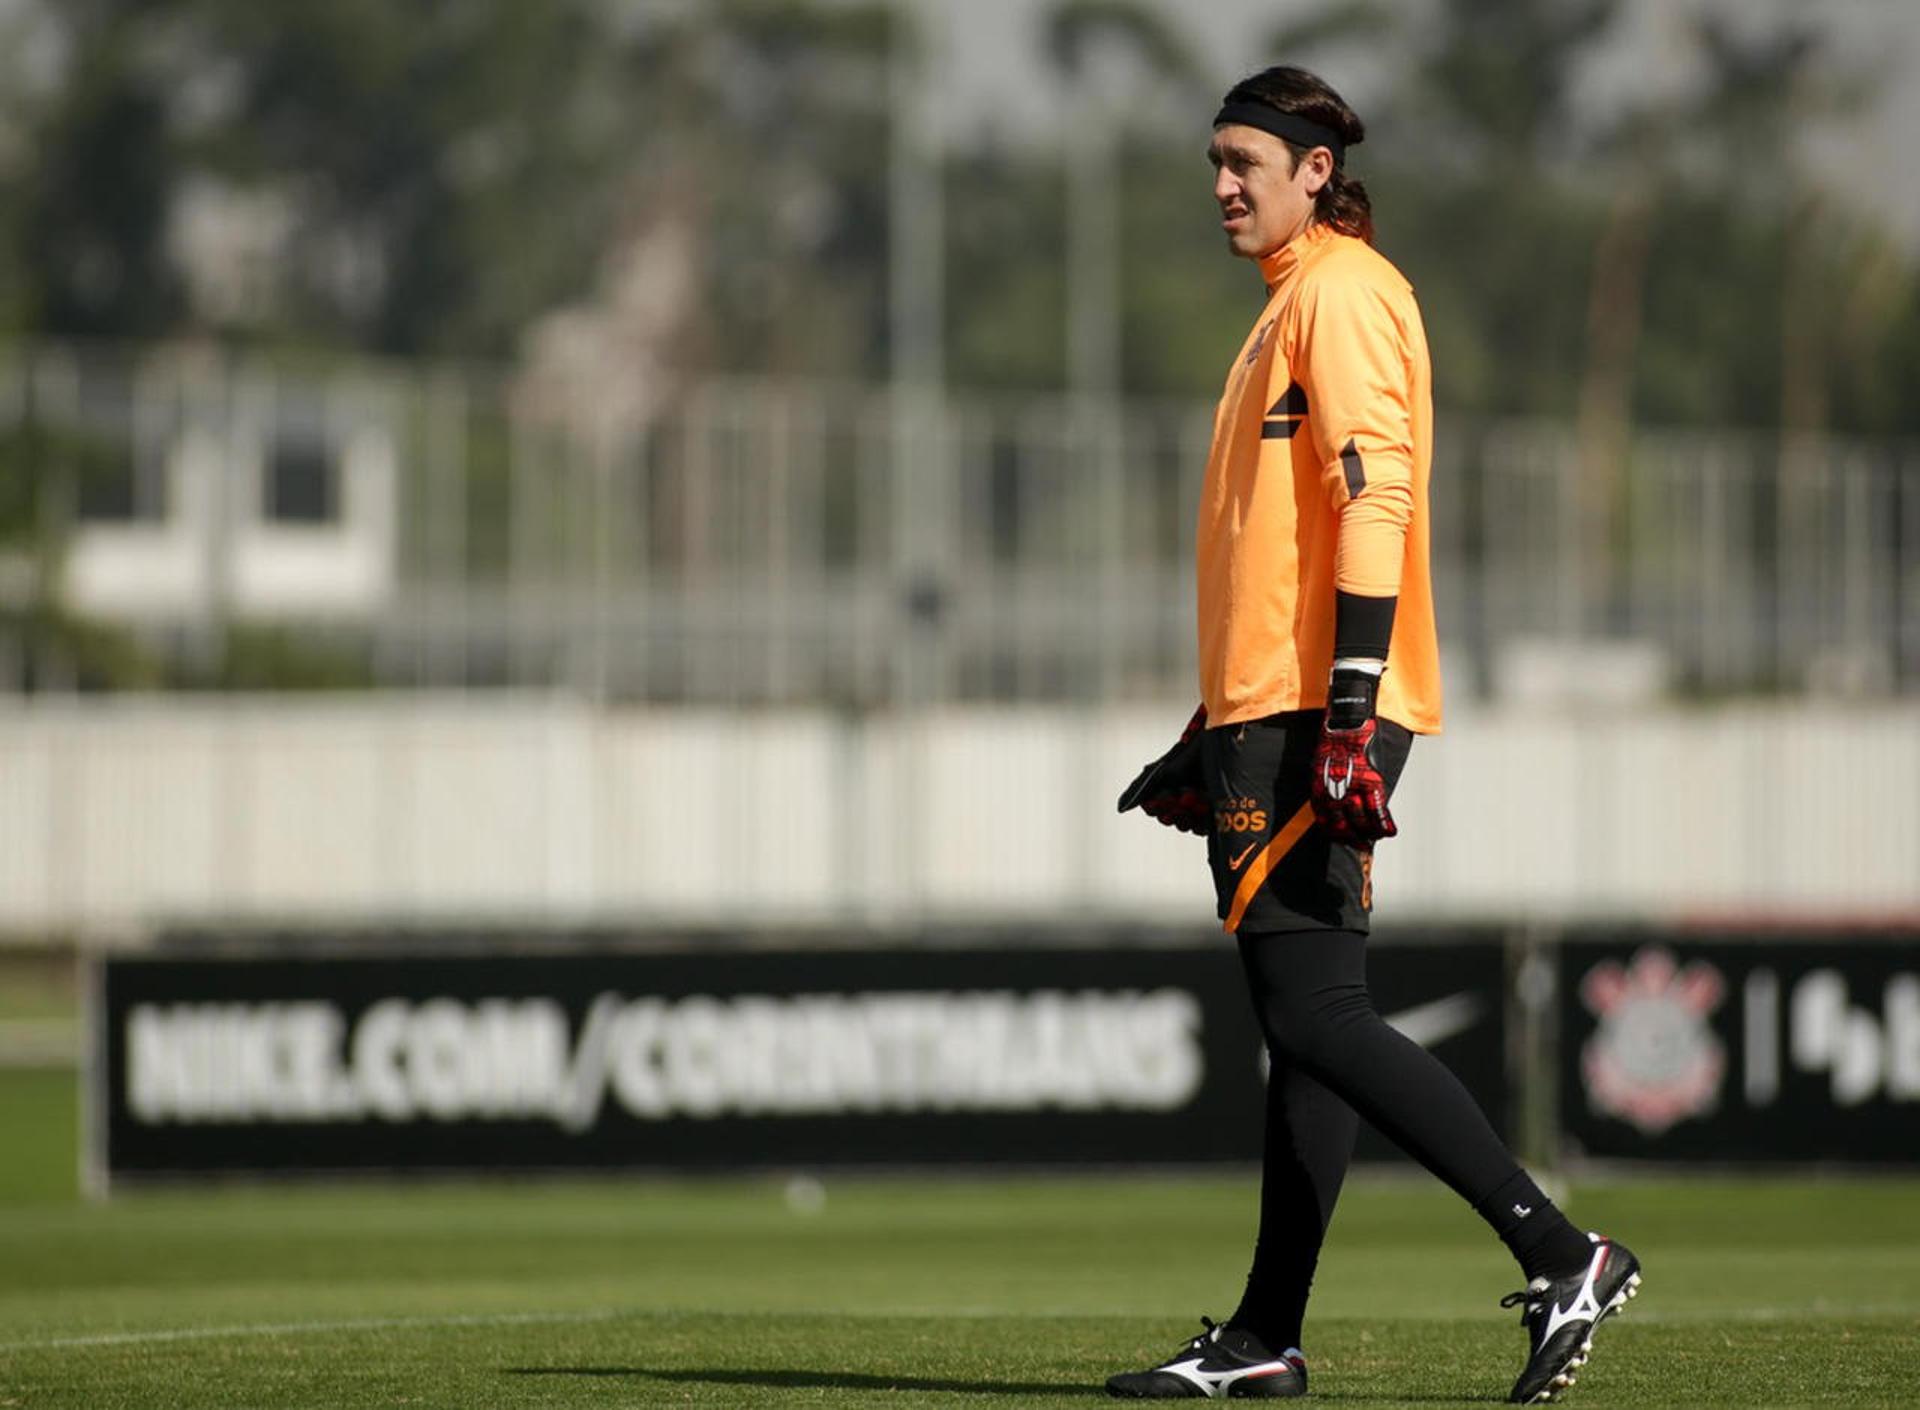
pixel 746 542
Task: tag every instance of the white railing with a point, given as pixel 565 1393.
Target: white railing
pixel 722 542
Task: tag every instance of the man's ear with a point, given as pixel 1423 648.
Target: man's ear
pixel 1319 164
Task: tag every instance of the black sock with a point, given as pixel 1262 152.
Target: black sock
pixel 1534 1229
pixel 1309 1140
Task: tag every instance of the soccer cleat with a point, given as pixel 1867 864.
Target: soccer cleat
pixel 1560 1315
pixel 1221 1363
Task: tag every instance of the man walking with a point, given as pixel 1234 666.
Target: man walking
pixel 1318 665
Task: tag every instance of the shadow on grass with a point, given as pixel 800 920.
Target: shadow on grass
pixel 855 1380
pixel 813 1380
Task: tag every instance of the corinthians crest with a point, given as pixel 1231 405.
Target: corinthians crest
pixel 1655 1060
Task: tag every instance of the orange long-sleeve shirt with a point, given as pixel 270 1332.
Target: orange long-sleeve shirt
pixel 1317 479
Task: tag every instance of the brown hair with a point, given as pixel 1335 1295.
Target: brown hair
pixel 1342 203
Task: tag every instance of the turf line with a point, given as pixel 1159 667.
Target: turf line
pixel 1641 1317
pixel 1816 1311
pixel 277 1329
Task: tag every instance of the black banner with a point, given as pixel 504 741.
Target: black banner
pixel 722 1057
pixel 1710 1047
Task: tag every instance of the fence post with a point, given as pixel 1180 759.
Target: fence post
pixel 1533 1043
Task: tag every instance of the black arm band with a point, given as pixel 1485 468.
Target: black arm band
pixel 1362 626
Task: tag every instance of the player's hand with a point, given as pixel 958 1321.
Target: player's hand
pixel 1170 790
pixel 1348 794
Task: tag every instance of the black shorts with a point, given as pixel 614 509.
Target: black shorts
pixel 1274 868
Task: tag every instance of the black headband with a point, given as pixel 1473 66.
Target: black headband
pixel 1289 127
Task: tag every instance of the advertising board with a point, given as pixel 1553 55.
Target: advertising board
pixel 1792 1048
pixel 717 1056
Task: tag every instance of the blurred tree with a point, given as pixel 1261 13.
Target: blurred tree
pixel 1469 202
pixel 430 180
pixel 777 118
pixel 704 187
pixel 1006 270
pixel 1076 28
pixel 1304 39
pixel 447 167
pixel 1124 65
pixel 93 189
pixel 1495 88
pixel 43 644
pixel 1737 148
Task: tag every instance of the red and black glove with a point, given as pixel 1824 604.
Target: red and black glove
pixel 1170 790
pixel 1349 797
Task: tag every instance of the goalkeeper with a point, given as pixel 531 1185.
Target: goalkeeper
pixel 1318 666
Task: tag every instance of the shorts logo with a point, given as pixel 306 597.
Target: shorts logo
pixel 1655 1060
pixel 1240 815
pixel 1234 863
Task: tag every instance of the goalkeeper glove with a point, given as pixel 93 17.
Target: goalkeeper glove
pixel 1348 794
pixel 1171 790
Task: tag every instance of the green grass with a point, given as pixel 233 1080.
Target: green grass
pixel 37 984
pixel 967 1292
pixel 39 1142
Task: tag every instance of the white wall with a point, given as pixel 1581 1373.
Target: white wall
pixel 115 816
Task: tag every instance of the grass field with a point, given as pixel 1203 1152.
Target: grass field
pixel 965 1292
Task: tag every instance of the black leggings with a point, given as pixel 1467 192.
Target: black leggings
pixel 1334 1056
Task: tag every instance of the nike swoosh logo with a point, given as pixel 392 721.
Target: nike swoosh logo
pixel 1233 863
pixel 1439 1019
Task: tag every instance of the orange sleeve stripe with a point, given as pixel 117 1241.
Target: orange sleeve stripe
pixel 1258 869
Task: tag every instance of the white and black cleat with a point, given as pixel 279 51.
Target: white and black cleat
pixel 1222 1363
pixel 1561 1315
